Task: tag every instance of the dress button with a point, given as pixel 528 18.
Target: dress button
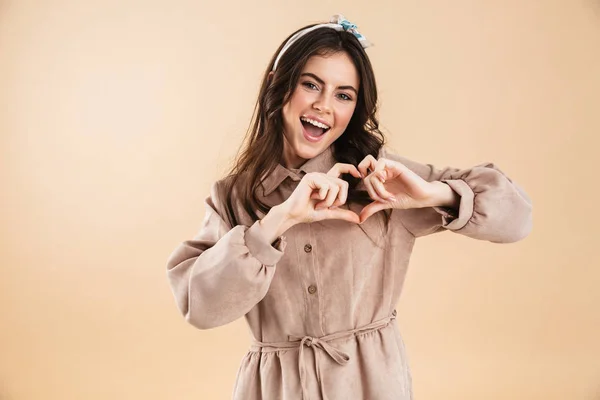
pixel 307 248
pixel 312 289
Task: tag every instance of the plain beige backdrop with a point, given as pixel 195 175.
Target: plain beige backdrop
pixel 116 117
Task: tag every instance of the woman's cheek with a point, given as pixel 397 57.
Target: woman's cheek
pixel 347 116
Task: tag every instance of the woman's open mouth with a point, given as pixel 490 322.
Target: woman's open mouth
pixel 313 130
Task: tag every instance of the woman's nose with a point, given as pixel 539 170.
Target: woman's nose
pixel 323 104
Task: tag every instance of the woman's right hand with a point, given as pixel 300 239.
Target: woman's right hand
pixel 317 196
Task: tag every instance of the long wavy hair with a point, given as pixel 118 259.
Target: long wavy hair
pixel 264 140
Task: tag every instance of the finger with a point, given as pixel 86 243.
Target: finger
pixel 343 193
pixel 390 168
pixel 340 213
pixel 332 194
pixel 323 189
pixel 380 188
pixel 371 209
pixel 318 186
pixel 372 193
pixel 368 162
pixel 379 169
pixel 341 168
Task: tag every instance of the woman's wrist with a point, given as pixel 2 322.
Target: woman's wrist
pixel 276 222
pixel 445 196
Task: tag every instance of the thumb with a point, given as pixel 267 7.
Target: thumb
pixel 371 209
pixel 340 213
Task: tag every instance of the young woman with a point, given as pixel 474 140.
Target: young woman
pixel 310 235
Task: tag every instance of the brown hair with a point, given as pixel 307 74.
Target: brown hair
pixel 264 139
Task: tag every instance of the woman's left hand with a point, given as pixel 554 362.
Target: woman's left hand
pixel 392 185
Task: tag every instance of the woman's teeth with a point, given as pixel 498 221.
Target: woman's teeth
pixel 315 123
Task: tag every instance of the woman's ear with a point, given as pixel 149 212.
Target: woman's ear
pixel 270 76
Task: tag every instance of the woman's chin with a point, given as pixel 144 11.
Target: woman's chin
pixel 310 150
pixel 303 150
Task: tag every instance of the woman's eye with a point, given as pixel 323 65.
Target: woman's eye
pixel 344 96
pixel 310 85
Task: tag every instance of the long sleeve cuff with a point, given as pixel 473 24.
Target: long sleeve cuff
pixel 450 220
pixel 260 248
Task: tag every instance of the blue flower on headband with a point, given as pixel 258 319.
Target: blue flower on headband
pixel 349 27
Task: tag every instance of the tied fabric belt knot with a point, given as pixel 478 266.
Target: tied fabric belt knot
pixel 323 344
pixel 309 341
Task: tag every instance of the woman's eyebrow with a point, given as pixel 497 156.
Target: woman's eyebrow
pixel 316 78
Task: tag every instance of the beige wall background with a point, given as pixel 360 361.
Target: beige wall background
pixel 116 117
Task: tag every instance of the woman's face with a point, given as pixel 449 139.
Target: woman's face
pixel 325 95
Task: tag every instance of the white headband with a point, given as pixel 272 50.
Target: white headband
pixel 337 22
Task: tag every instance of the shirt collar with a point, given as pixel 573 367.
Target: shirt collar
pixel 323 162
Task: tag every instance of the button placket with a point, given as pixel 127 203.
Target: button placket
pixel 312 289
pixel 309 266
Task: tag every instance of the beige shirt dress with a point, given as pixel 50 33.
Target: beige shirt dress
pixel 320 301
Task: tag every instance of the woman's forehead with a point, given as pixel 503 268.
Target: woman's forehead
pixel 335 69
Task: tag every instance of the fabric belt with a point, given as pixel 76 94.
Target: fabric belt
pixel 321 343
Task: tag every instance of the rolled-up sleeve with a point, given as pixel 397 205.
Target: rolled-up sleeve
pixel 492 206
pixel 223 272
